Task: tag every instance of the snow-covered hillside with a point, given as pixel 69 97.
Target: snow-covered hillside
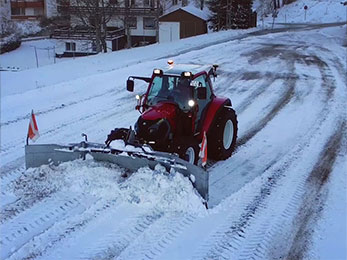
pixel 317 11
pixel 282 195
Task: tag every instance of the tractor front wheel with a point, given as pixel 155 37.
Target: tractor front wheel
pixel 188 149
pixel 222 136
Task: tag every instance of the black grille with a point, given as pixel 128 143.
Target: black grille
pixel 152 130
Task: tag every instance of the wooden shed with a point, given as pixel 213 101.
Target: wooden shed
pixel 181 23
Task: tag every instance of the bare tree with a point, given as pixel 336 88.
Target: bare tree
pixel 94 15
pixel 202 4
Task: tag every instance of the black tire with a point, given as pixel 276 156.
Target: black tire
pixel 220 144
pixel 186 147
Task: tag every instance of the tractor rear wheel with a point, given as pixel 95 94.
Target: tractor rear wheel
pixel 222 136
pixel 188 149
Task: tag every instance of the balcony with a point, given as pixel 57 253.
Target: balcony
pixel 132 11
pixel 78 34
pixel 27 4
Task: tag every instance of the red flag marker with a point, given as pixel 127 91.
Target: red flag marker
pixel 33 131
pixel 203 150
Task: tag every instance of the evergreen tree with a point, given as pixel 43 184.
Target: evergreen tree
pixel 218 18
pixel 241 13
pixel 236 16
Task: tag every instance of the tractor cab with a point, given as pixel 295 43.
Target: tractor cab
pixel 178 109
pixel 187 86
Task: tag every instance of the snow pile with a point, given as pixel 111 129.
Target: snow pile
pixel 78 176
pixel 168 192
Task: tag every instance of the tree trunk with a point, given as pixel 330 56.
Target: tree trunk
pixel 98 38
pixel 157 22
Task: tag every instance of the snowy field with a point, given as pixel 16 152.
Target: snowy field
pixel 25 57
pixel 282 195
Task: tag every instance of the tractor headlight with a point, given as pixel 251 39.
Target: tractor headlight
pixel 191 103
pixel 187 74
pixel 158 72
pixel 137 97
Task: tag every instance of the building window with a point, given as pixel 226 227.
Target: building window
pixel 17 11
pixel 148 23
pixel 132 2
pixel 149 3
pixel 70 46
pixel 38 11
pixel 113 2
pixel 132 21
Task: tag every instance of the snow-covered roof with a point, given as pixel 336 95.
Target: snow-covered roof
pixel 202 14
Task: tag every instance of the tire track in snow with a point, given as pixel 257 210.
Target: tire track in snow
pixel 53 109
pixel 292 27
pixel 235 242
pixel 291 56
pixel 318 177
pixel 61 230
pixel 250 235
pixel 273 51
pixel 38 219
pixel 7 170
pixel 107 235
pixel 150 244
pixel 55 128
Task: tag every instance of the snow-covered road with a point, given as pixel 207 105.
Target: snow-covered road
pixel 289 92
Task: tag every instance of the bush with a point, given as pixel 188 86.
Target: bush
pixel 10 43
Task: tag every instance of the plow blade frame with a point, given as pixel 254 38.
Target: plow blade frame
pixel 41 154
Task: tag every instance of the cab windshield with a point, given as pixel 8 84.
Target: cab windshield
pixel 170 88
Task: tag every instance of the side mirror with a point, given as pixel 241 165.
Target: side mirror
pixel 130 85
pixel 202 93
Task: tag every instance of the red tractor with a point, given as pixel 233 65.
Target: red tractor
pixel 178 107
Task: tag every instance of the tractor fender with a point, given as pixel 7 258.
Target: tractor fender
pixel 216 105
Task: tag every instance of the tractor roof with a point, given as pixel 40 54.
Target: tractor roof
pixel 177 69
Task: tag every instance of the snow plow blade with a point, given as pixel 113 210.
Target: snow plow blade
pixel 41 154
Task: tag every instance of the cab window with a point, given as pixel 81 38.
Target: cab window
pixel 201 81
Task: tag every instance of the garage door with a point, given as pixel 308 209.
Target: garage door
pixel 169 31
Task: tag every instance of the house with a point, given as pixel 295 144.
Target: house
pixel 78 42
pixel 31 9
pixel 133 21
pixel 182 22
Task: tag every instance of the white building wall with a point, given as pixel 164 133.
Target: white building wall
pixel 116 22
pixel 84 46
pixel 51 8
pixel 109 45
pixel 140 31
pixel 81 46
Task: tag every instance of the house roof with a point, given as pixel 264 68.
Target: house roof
pixel 191 10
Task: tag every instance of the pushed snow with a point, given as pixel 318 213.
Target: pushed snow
pixel 167 192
